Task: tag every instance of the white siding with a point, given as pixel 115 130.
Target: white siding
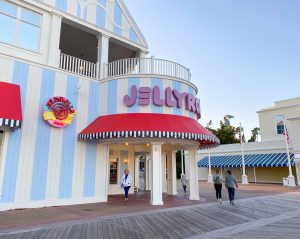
pixel 55 148
pixel 29 129
pixel 80 147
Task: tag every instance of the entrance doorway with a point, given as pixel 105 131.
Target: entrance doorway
pixel 142 173
pixel 1 146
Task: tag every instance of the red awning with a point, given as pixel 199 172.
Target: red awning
pixel 147 125
pixel 10 105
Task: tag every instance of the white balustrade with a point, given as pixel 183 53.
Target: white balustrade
pixel 130 66
pixel 78 66
pixel 146 66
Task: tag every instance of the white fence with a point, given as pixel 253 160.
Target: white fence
pixel 146 66
pixel 78 66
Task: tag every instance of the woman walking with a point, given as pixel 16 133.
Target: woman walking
pixel 126 183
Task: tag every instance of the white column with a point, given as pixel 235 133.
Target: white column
pixel 291 178
pixel 102 168
pixel 102 56
pixel 187 164
pixel 54 39
pixel 148 176
pixel 171 168
pixel 244 176
pixel 209 177
pixel 163 172
pixel 156 191
pixel 297 165
pixel 131 165
pixel 142 54
pixel 181 154
pixel 194 187
pixel 142 61
pixel 137 172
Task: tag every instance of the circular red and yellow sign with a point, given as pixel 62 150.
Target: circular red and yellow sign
pixel 59 112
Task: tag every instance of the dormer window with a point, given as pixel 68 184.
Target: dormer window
pixel 19 26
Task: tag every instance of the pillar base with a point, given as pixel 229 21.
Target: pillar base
pixel 209 178
pixel 156 203
pixel 194 198
pixel 245 179
pixel 291 181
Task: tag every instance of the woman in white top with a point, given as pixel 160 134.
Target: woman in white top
pixel 126 182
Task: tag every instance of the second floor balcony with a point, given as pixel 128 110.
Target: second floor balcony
pixel 124 67
pixel 97 56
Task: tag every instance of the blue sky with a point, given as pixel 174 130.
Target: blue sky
pixel 243 55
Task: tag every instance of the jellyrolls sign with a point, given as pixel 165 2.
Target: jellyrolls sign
pixel 172 98
pixel 59 112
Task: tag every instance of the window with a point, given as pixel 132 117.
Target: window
pixel 279 123
pixel 113 170
pixel 19 26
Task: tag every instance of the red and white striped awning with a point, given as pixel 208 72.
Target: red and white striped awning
pixel 10 106
pixel 148 125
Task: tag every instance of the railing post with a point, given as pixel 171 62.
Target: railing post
pixel 152 65
pixel 97 70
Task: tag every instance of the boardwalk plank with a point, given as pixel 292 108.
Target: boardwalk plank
pixel 276 216
pixel 89 230
pixel 66 232
pixel 83 232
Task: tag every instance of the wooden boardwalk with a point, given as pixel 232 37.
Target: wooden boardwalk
pixel 266 217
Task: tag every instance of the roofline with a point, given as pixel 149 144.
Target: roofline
pixel 287 99
pixel 122 4
pixel 278 107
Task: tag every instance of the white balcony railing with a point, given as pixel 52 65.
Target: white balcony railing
pixel 78 66
pixel 146 66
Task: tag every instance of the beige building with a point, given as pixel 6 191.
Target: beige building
pixel 265 161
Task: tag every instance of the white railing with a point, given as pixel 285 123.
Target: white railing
pixel 146 66
pixel 78 66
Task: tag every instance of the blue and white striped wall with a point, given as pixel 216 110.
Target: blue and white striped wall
pixel 104 14
pixel 113 91
pixel 42 165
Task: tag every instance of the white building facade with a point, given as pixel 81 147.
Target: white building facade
pixel 266 161
pixel 80 102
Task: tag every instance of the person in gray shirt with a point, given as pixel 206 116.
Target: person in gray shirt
pixel 217 178
pixel 230 184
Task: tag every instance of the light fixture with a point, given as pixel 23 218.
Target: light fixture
pixel 147 145
pixel 125 161
pixel 126 144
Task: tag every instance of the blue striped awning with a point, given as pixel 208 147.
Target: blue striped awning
pixel 251 160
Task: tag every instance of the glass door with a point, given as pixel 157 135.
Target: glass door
pixel 113 170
